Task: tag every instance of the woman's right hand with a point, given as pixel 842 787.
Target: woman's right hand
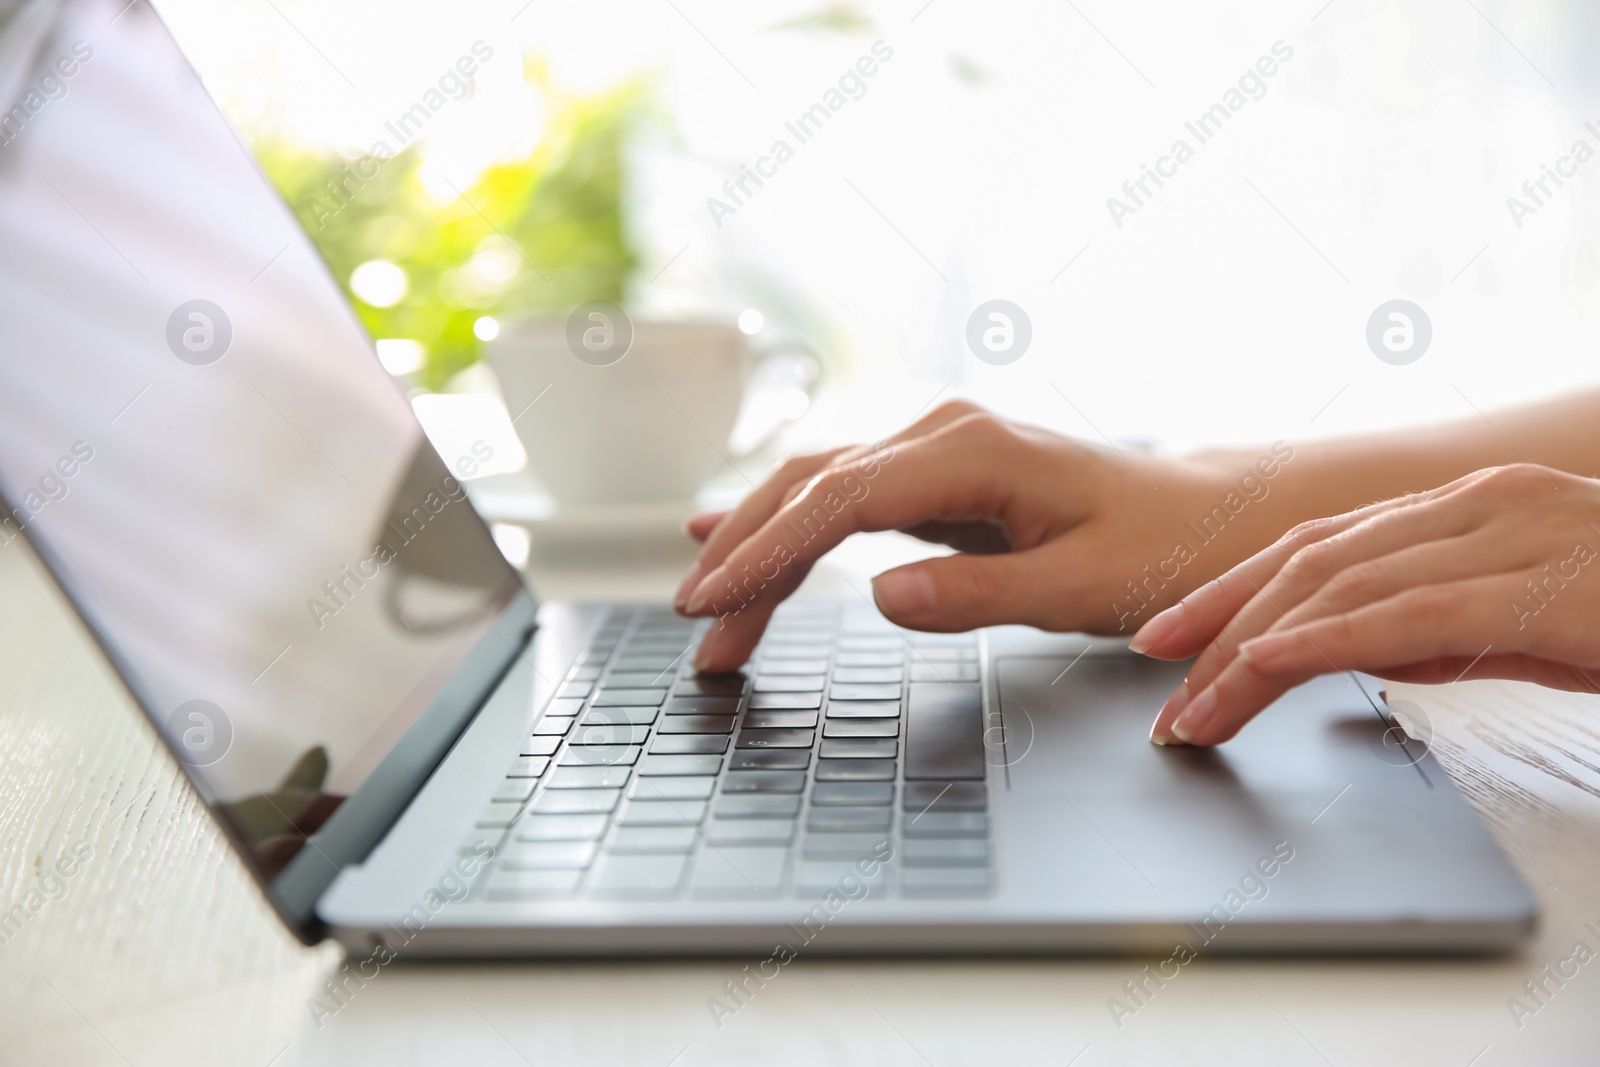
pixel 1048 531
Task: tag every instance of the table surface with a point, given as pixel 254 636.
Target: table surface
pixel 158 949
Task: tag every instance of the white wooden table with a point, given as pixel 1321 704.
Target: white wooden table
pixel 158 950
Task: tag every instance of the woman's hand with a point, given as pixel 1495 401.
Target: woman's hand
pixel 1048 531
pixel 1495 575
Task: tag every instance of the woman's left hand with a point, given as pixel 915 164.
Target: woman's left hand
pixel 1495 575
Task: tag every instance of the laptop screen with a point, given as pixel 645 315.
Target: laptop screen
pixel 197 437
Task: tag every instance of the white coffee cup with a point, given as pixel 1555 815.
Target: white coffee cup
pixel 647 426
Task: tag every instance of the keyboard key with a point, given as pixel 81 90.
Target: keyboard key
pixel 861 728
pixel 672 765
pixel 576 801
pixel 773 720
pixel 537 855
pixel 945 655
pixel 663 813
pixel 770 666
pixel 585 674
pixel 528 766
pixel 867 659
pixel 944 731
pixel 749 831
pixel 524 885
pixel 852 794
pixel 561 828
pixel 763 782
pixel 638 679
pixel 787 683
pixel 696 724
pixel 853 691
pixel 777 738
pixel 629 698
pixel 621 716
pixel 843 846
pixel 710 685
pixel 832 819
pixel 863 709
pixel 498 815
pixel 702 705
pixel 944 881
pixel 801 701
pixel 944 672
pixel 688 743
pixel 770 759
pixel 548 727
pixel 858 748
pixel 814 878
pixel 514 789
pixel 868 674
pixel 589 777
pixel 652 839
pixel 639 876
pixel 850 643
pixel 540 745
pixel 946 796
pixel 944 852
pixel 610 735
pixel 599 755
pixel 780 648
pixel 562 708
pixel 483 842
pixel 638 661
pixel 738 872
pixel 757 806
pixel 672 788
pixel 945 824
pixel 577 690
pixel 856 770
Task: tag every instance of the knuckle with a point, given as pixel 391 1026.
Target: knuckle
pixel 1515 479
pixel 1360 582
pixel 957 409
pixel 983 429
pixel 1313 564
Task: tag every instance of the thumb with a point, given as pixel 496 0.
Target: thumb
pixel 962 592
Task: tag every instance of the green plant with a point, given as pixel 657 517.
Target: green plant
pixel 536 235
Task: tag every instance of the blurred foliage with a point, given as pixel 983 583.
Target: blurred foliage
pixel 537 235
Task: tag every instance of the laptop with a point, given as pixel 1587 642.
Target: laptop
pixel 416 756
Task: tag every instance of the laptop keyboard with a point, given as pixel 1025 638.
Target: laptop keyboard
pixel 847 757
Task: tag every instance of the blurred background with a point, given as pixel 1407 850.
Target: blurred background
pixel 577 162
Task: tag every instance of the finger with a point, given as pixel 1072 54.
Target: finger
pixel 1329 543
pixel 787 480
pixel 753 510
pixel 957 470
pixel 735 634
pixel 1283 604
pixel 1187 627
pixel 1464 618
pixel 955 593
pixel 699 526
pixel 1417 541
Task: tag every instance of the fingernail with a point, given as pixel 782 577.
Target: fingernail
pixel 1175 704
pixel 1157 629
pixel 1196 715
pixel 903 592
pixel 1263 651
pixel 705 591
pixel 680 599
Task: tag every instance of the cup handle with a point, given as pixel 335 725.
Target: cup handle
pixel 802 376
